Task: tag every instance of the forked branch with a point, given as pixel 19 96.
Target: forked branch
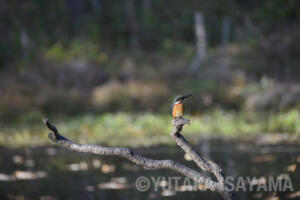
pixel 196 176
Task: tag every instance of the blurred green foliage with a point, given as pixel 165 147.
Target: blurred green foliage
pixel 76 50
pixel 150 129
pixel 64 30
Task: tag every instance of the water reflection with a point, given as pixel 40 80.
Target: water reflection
pixel 55 173
pixel 23 175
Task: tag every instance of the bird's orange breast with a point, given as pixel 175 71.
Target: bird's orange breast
pixel 178 110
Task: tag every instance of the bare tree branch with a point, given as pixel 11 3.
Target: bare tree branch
pixel 196 176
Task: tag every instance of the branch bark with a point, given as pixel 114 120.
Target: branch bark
pixel 148 163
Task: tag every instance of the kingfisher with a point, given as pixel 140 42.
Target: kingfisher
pixel 178 106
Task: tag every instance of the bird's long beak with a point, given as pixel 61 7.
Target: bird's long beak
pixel 186 96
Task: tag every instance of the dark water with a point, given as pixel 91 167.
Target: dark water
pixel 49 173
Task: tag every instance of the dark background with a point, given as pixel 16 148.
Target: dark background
pixel 59 53
pixel 105 72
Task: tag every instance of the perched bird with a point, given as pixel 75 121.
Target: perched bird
pixel 178 106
